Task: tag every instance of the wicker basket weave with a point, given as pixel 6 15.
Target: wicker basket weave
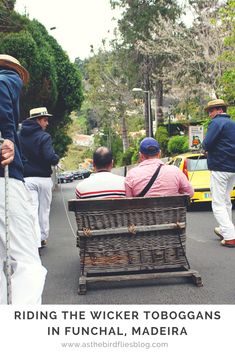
pixel 131 234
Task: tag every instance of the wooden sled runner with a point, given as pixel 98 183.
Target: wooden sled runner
pixel 132 239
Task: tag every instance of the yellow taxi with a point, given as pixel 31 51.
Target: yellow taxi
pixel 194 166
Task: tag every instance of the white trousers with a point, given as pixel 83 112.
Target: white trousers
pixel 222 184
pixel 28 275
pixel 41 192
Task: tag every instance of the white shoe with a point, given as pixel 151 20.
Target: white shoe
pixel 218 233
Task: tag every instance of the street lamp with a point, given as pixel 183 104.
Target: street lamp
pixel 137 89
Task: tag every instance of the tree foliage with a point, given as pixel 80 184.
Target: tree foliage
pixel 138 16
pixel 178 144
pixel 54 81
pixel 228 79
pixel 162 138
pixel 193 65
pixel 109 92
pixel 136 25
pixel 9 20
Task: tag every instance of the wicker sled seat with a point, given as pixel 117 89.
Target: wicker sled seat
pixel 132 239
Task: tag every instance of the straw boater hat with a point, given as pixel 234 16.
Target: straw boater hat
pixel 215 103
pixel 39 113
pixel 9 62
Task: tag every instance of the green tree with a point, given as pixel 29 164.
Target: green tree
pixel 162 138
pixel 109 93
pixel 54 81
pixel 9 20
pixel 8 5
pixel 178 144
pixel 136 27
pixel 193 65
pixel 228 79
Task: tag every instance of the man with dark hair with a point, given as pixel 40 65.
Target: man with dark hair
pixel 219 144
pixel 102 183
pixel 102 158
pixel 169 181
pixel 28 274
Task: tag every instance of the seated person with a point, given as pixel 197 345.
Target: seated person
pixel 169 182
pixel 102 183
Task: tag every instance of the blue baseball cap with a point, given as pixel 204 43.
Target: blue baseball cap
pixel 149 146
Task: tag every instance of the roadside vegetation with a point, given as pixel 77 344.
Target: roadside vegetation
pixel 181 65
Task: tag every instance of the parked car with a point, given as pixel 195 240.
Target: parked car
pixel 77 174
pixel 194 166
pixel 65 177
pixel 85 173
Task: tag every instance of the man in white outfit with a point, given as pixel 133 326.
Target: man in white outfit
pixel 219 144
pixel 38 151
pixel 28 274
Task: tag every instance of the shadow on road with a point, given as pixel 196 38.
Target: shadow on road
pixel 203 206
pixel 199 207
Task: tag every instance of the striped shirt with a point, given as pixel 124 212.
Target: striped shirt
pixel 101 185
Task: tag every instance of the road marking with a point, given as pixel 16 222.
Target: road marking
pixel 198 240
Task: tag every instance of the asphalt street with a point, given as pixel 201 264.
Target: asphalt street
pixel 215 264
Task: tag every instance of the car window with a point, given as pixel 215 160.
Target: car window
pixel 196 163
pixel 177 162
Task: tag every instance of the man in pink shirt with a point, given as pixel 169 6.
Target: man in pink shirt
pixel 169 182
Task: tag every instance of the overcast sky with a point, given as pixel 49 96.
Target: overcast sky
pixel 79 23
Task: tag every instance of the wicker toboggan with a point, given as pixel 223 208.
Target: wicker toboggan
pixel 132 238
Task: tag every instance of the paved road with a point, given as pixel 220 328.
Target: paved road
pixel 215 264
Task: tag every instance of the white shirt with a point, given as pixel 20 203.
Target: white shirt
pixel 101 185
